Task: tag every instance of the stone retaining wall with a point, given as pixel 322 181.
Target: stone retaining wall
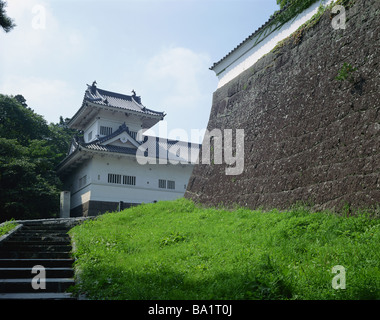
pixel 308 136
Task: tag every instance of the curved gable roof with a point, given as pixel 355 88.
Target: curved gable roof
pixel 117 100
pixel 122 129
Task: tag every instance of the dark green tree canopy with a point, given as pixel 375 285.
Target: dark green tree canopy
pixel 283 3
pixel 290 9
pixel 295 3
pixel 30 149
pixel 18 121
pixel 5 22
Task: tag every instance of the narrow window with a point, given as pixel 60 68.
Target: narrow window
pixel 129 180
pixel 114 178
pixel 162 183
pixel 105 131
pixel 82 181
pixel 171 184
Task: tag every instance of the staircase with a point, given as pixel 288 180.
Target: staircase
pixel 44 245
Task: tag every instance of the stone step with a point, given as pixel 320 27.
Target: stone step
pixel 35 243
pixel 40 232
pixel 19 273
pixel 39 237
pixel 57 285
pixel 35 255
pixel 45 227
pixel 30 263
pixel 30 226
pixel 37 296
pixel 35 247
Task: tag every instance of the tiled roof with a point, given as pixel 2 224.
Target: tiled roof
pixel 121 129
pixel 117 100
pixel 266 24
pixel 160 146
pixel 110 148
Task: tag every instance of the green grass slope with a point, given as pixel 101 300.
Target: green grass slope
pixel 178 250
pixel 6 227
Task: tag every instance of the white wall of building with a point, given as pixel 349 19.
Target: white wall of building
pixel 97 187
pixel 93 130
pixel 250 52
pixel 106 119
pixel 78 183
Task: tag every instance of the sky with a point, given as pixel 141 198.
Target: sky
pixel 162 49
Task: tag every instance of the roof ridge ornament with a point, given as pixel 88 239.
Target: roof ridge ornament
pixel 123 126
pixel 136 98
pixel 93 87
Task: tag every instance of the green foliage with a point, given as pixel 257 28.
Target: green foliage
pixel 293 8
pixel 17 121
pixel 60 138
pixel 29 151
pixel 345 73
pixel 5 22
pixel 28 185
pixel 282 3
pixel 289 10
pixel 298 34
pixel 295 3
pixel 177 250
pixel 7 226
pixel 345 3
pixel 172 238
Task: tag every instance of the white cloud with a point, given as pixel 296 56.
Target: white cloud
pixel 175 80
pixel 49 62
pixel 29 38
pixel 180 84
pixel 180 75
pixel 35 55
pixel 44 96
pixel 37 37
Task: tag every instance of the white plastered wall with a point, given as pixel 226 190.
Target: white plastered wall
pixel 248 54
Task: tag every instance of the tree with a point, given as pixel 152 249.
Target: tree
pixel 302 4
pixel 290 9
pixel 283 3
pixel 5 22
pixel 18 121
pixel 28 185
pixel 60 137
pixel 30 149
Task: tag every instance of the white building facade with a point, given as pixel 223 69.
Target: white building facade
pixel 102 172
pixel 261 42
